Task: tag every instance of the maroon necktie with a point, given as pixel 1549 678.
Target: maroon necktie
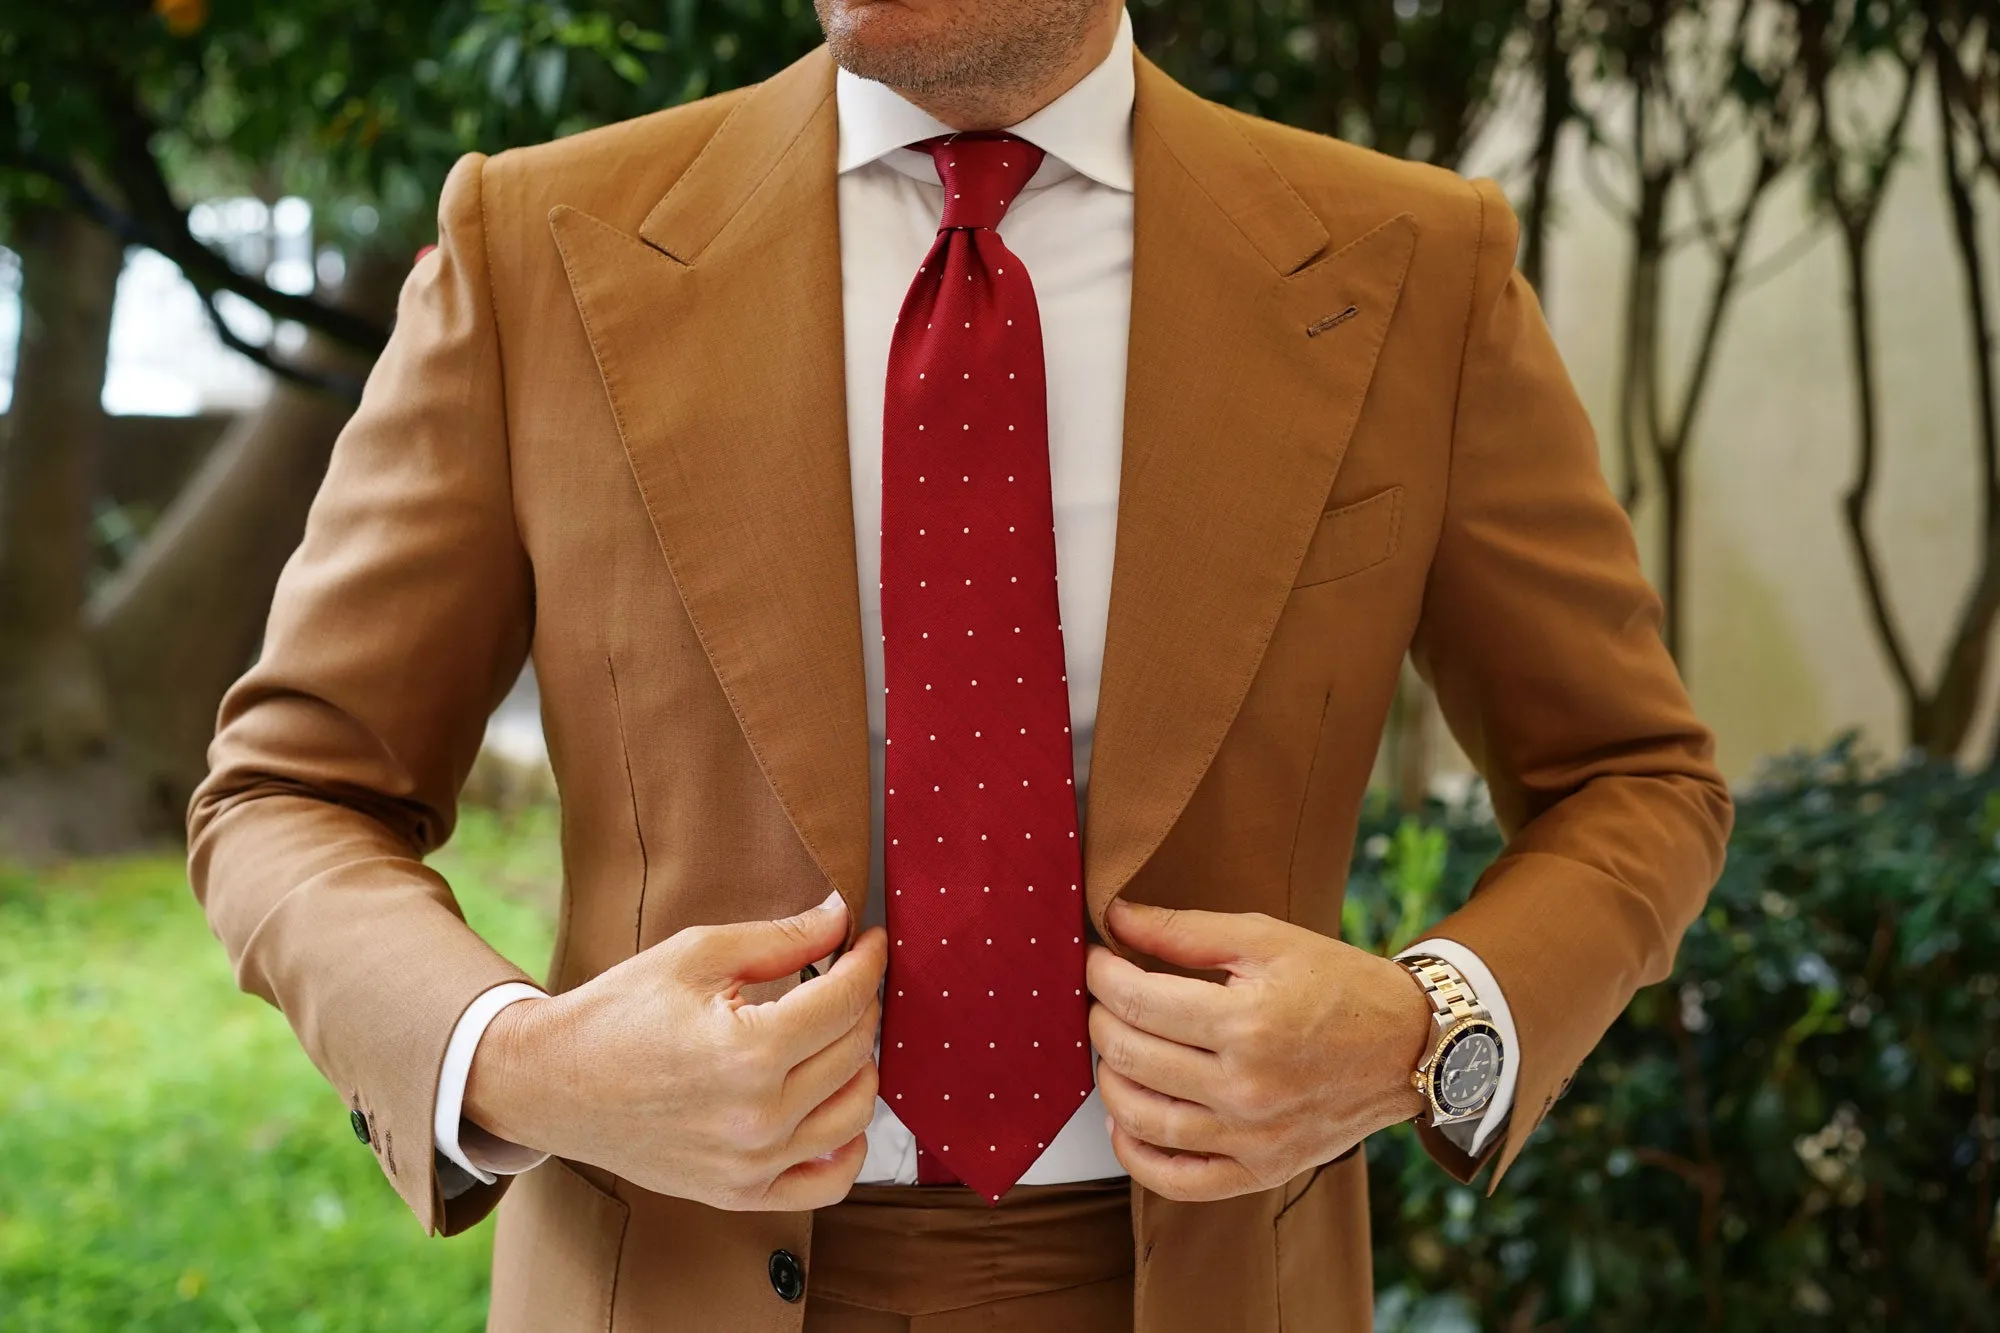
pixel 984 1021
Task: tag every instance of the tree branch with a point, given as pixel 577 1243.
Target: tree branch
pixel 152 205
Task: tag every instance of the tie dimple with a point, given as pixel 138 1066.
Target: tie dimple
pixel 984 1028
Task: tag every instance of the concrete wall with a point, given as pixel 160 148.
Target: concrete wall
pixel 1780 652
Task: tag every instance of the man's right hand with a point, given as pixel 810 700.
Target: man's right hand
pixel 659 1071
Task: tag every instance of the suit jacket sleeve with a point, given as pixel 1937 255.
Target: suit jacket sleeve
pixel 397 626
pixel 1541 637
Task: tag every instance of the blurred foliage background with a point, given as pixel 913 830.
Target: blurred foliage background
pixel 1797 1130
pixel 1801 1126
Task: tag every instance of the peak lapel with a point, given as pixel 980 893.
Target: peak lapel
pixel 717 331
pixel 1236 422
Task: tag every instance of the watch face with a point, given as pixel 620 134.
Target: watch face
pixel 1469 1072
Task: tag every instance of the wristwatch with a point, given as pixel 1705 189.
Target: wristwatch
pixel 1460 1069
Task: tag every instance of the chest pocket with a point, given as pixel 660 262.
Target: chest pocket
pixel 1353 537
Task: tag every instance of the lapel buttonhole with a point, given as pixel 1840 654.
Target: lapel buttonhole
pixel 1319 326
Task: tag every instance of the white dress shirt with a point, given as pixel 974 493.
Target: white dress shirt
pixel 1071 228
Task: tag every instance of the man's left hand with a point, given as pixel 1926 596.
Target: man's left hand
pixel 1219 1089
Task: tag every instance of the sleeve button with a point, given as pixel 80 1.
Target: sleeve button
pixel 360 1124
pixel 788 1278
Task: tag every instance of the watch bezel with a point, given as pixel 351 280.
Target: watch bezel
pixel 1452 1035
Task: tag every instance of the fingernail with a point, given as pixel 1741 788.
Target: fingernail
pixel 833 900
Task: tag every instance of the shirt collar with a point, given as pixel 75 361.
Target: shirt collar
pixel 1087 130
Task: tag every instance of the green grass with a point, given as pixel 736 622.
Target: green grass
pixel 169 1158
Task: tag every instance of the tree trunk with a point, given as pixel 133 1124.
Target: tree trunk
pixel 1551 58
pixel 184 618
pixel 1413 755
pixel 52 709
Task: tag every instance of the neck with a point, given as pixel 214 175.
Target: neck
pixel 992 107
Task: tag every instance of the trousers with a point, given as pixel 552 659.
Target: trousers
pixel 939 1259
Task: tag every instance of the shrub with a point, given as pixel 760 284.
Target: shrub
pixel 1799 1129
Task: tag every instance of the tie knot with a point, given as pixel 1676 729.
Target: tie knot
pixel 981 172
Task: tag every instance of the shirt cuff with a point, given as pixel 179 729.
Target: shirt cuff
pixel 1485 989
pixel 465 1145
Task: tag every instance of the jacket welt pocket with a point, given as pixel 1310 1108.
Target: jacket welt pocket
pixel 1353 537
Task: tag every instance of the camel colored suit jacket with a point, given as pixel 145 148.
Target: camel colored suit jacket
pixel 609 431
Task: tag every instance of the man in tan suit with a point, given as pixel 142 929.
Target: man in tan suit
pixel 1224 421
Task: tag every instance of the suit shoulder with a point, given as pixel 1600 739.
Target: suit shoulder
pixel 615 172
pixel 1336 179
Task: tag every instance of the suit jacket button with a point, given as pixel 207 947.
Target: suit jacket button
pixel 360 1123
pixel 788 1277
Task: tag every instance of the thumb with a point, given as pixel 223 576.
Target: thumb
pixel 753 951
pixel 1234 942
